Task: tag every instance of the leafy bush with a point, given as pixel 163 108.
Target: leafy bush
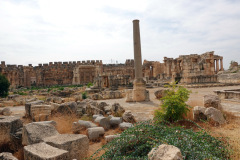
pixel 4 86
pixel 89 84
pixel 84 95
pixel 137 142
pixel 174 104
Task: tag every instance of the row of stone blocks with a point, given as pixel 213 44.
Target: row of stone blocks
pixel 44 142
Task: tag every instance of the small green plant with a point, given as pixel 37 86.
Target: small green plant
pixel 84 95
pixel 49 89
pixel 173 104
pixel 21 93
pixel 137 142
pixel 89 84
pixel 61 88
pixel 4 86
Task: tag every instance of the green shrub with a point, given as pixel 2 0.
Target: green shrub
pixel 174 104
pixel 136 142
pixel 4 86
pixel 84 95
pixel 89 84
pixel 61 88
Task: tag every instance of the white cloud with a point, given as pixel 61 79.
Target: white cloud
pixel 41 31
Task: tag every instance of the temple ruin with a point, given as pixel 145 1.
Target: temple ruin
pixel 186 69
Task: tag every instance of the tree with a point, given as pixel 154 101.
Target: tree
pixel 4 86
pixel 174 104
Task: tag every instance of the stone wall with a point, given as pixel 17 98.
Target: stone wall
pixel 188 69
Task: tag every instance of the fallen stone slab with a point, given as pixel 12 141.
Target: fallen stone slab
pixel 68 108
pixel 35 132
pixel 115 121
pixel 97 115
pixel 129 117
pixel 28 106
pixel 43 151
pixel 95 133
pixel 40 112
pixel 9 125
pixel 76 144
pixel 80 125
pixel 7 156
pixel 215 115
pixel 165 152
pixel 199 113
pixel 105 123
pixel 125 125
pixel 6 111
pixel 109 138
pixel 212 101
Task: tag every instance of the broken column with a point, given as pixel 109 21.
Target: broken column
pixel 139 85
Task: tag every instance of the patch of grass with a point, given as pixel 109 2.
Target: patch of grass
pixel 64 122
pixel 86 118
pixel 137 142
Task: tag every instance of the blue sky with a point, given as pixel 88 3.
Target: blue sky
pixel 42 31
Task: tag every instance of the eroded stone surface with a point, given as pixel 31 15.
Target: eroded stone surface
pixel 36 132
pixel 95 133
pixel 165 152
pixel 76 144
pixel 43 151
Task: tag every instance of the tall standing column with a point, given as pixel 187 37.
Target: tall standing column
pixel 221 62
pixel 217 65
pixel 139 85
pixel 137 49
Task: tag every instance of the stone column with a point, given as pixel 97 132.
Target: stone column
pixel 217 65
pixel 221 62
pixel 139 85
pixel 137 50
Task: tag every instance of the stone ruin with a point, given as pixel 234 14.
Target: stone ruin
pixel 187 69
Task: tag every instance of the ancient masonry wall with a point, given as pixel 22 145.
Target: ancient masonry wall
pixel 186 69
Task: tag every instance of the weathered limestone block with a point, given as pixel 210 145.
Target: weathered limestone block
pixel 97 96
pixel 58 100
pixel 76 144
pixel 40 112
pixel 115 121
pixel 105 123
pixel 7 156
pixel 31 100
pixel 95 133
pixel 165 152
pixel 109 138
pixel 96 115
pixel 43 151
pixel 6 111
pixel 212 101
pixel 28 106
pixel 128 117
pixel 9 125
pixel 117 108
pixel 129 95
pixel 91 110
pixel 77 98
pixel 159 93
pixel 125 125
pixel 215 114
pixel 68 108
pixel 35 132
pixel 81 125
pixel 54 106
pixel 199 113
pixel 102 105
pixel 47 122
